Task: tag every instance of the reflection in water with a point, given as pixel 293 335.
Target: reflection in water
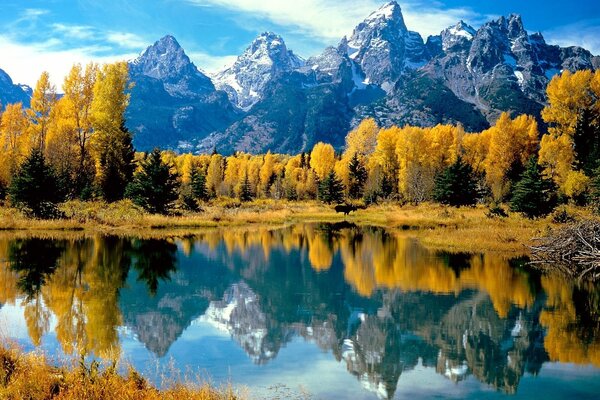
pixel 376 300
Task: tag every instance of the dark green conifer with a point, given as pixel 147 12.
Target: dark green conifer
pixel 34 189
pixel 357 174
pixel 456 185
pixel 331 189
pixel 534 195
pixel 198 183
pixel 246 190
pixel 154 186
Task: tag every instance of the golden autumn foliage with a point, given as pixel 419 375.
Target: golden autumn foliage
pixel 42 102
pixel 14 140
pixel 402 163
pixel 322 159
pixel 564 341
pixel 570 96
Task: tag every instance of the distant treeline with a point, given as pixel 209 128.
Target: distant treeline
pixel 77 147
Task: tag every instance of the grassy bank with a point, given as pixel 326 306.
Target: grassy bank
pixel 31 376
pixel 462 229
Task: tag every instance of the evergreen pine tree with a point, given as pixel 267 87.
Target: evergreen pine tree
pixel 115 164
pixel 34 188
pixel 587 142
pixel 357 177
pixel 154 187
pixel 198 183
pixel 534 195
pixel 331 189
pixel 246 190
pixel 456 185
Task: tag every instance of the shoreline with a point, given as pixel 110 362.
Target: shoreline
pixel 454 229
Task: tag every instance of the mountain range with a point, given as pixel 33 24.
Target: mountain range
pixel 272 99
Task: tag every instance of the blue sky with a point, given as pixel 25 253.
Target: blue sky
pixel 51 35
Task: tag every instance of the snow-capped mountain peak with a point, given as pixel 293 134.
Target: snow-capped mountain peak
pixel 384 48
pixel 166 61
pixel 388 11
pixel 247 78
pixel 458 34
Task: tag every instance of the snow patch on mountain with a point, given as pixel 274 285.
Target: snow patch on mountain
pixel 265 58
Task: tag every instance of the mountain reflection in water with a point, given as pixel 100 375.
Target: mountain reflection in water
pixel 377 301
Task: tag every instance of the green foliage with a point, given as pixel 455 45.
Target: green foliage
pixel 587 142
pixel 496 210
pixel 357 177
pixel 456 185
pixel 534 195
pixel 115 163
pixel 198 184
pixel 34 189
pixel 246 190
pixel 331 189
pixel 154 187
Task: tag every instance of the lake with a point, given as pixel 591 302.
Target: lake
pixel 310 310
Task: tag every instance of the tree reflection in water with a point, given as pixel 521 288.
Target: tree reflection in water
pixel 378 300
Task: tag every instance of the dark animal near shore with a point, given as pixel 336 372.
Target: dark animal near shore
pixel 347 208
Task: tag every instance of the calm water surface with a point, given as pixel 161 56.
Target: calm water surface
pixel 328 311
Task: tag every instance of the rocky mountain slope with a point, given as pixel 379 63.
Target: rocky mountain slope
pixel 271 99
pixel 172 102
pixel 12 93
pixel 388 72
pixel 245 81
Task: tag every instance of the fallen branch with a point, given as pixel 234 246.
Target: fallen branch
pixel 573 250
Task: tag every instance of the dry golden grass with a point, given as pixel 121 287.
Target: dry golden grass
pixel 30 376
pixel 457 229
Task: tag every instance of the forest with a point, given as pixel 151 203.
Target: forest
pixel 76 146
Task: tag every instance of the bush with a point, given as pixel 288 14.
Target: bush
pixel 495 211
pixel 562 217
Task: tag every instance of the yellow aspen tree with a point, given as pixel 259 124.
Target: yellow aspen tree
pixel 253 169
pixel 185 164
pixel 568 95
pixel 61 142
pixel 475 147
pixel 383 163
pixel 411 146
pixel 111 142
pixel 511 143
pixel 322 159
pixel 13 140
pixel 78 89
pixel 232 175
pixel 42 101
pixel 363 139
pixel 267 173
pixel 214 175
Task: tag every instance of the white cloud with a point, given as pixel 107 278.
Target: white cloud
pixel 74 31
pixel 329 20
pixel 585 34
pixel 32 13
pixel 25 62
pixel 126 40
pixel 210 63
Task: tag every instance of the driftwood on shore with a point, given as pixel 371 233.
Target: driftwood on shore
pixel 573 250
